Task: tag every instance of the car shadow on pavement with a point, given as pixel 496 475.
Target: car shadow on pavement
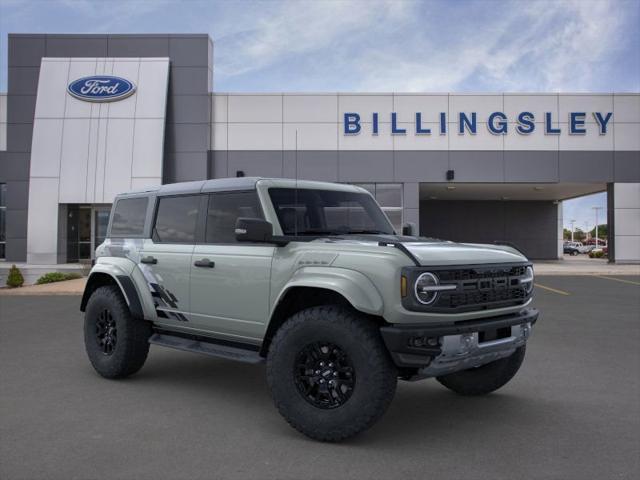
pixel 419 410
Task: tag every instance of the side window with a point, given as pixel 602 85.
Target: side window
pixel 128 217
pixel 176 219
pixel 224 209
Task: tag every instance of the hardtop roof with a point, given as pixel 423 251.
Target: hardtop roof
pixel 234 183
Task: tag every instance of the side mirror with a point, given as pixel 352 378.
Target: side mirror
pixel 409 229
pixel 253 230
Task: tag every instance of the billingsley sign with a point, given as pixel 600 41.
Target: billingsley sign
pixel 101 88
pixel 497 123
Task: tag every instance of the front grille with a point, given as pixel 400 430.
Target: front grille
pixel 474 274
pixel 477 288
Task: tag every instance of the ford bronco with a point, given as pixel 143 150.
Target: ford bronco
pixel 312 279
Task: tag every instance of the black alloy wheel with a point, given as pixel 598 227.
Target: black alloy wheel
pixel 324 375
pixel 106 332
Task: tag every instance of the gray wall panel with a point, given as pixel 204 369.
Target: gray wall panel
pixel 19 137
pixel 16 166
pixel 16 249
pixel 312 165
pixel 16 223
pixel 626 166
pixel 365 166
pixel 477 166
pixel 76 46
pixel 26 50
pixel 189 51
pixel 530 166
pixel 484 222
pixel 256 163
pixel 421 166
pixel 185 166
pixel 138 46
pixel 586 166
pixel 17 195
pixel 23 80
pixel 189 109
pixel 187 137
pixel 22 108
pixel 218 164
pixel 188 80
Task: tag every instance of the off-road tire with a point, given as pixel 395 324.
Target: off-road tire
pixel 132 341
pixel 485 379
pixel 374 372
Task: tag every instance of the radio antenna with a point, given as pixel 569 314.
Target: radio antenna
pixel 295 201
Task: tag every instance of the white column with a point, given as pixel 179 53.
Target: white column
pixel 626 208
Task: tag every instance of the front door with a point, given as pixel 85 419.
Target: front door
pixel 165 259
pixel 230 280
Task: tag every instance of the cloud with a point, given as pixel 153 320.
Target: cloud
pixel 435 46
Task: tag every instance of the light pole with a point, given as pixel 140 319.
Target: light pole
pixel 596 209
pixel 572 228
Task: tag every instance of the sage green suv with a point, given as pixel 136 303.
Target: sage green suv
pixel 312 279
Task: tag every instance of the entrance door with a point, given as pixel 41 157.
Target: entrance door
pixel 230 281
pixel 78 233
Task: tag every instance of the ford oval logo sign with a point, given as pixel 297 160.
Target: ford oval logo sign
pixel 101 88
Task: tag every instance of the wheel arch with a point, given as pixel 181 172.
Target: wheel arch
pixel 103 277
pixel 321 286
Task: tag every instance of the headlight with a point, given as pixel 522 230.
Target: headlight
pixel 527 281
pixel 427 287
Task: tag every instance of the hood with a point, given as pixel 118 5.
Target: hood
pixel 431 251
pixel 449 253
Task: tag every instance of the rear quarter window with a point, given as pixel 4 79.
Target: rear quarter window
pixel 128 217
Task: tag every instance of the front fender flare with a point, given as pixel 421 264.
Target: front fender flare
pixel 359 291
pixel 121 274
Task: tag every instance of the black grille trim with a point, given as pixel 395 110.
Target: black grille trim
pixel 478 288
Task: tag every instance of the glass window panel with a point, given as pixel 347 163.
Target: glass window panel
pixel 176 219
pixel 395 217
pixel 389 194
pixel 224 209
pixel 3 231
pixel 128 217
pixel 370 187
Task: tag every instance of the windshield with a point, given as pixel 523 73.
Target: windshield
pixel 328 212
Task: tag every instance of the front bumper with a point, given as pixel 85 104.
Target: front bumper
pixel 436 350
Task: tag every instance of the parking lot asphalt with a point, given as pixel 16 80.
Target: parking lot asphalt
pixel 573 410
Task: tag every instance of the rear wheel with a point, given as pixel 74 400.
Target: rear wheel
pixel 329 373
pixel 116 343
pixel 487 378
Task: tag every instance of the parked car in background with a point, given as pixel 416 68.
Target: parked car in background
pixel 574 248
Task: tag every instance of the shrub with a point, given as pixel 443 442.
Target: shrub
pixel 15 278
pixel 52 277
pixel 596 254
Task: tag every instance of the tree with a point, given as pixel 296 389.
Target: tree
pixel 578 235
pixel 603 231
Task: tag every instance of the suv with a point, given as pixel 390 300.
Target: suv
pixel 312 279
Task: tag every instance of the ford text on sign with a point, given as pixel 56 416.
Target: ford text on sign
pixel 101 88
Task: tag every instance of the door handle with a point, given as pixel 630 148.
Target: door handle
pixel 149 259
pixel 205 262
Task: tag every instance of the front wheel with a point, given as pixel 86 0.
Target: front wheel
pixel 329 373
pixel 116 343
pixel 486 378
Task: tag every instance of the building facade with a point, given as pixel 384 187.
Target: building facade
pixel 475 168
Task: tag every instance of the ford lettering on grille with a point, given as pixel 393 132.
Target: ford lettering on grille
pixel 101 88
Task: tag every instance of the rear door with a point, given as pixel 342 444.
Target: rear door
pixel 230 281
pixel 166 257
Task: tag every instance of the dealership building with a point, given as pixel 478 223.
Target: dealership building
pixel 86 117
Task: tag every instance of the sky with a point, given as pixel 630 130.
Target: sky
pixel 378 45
